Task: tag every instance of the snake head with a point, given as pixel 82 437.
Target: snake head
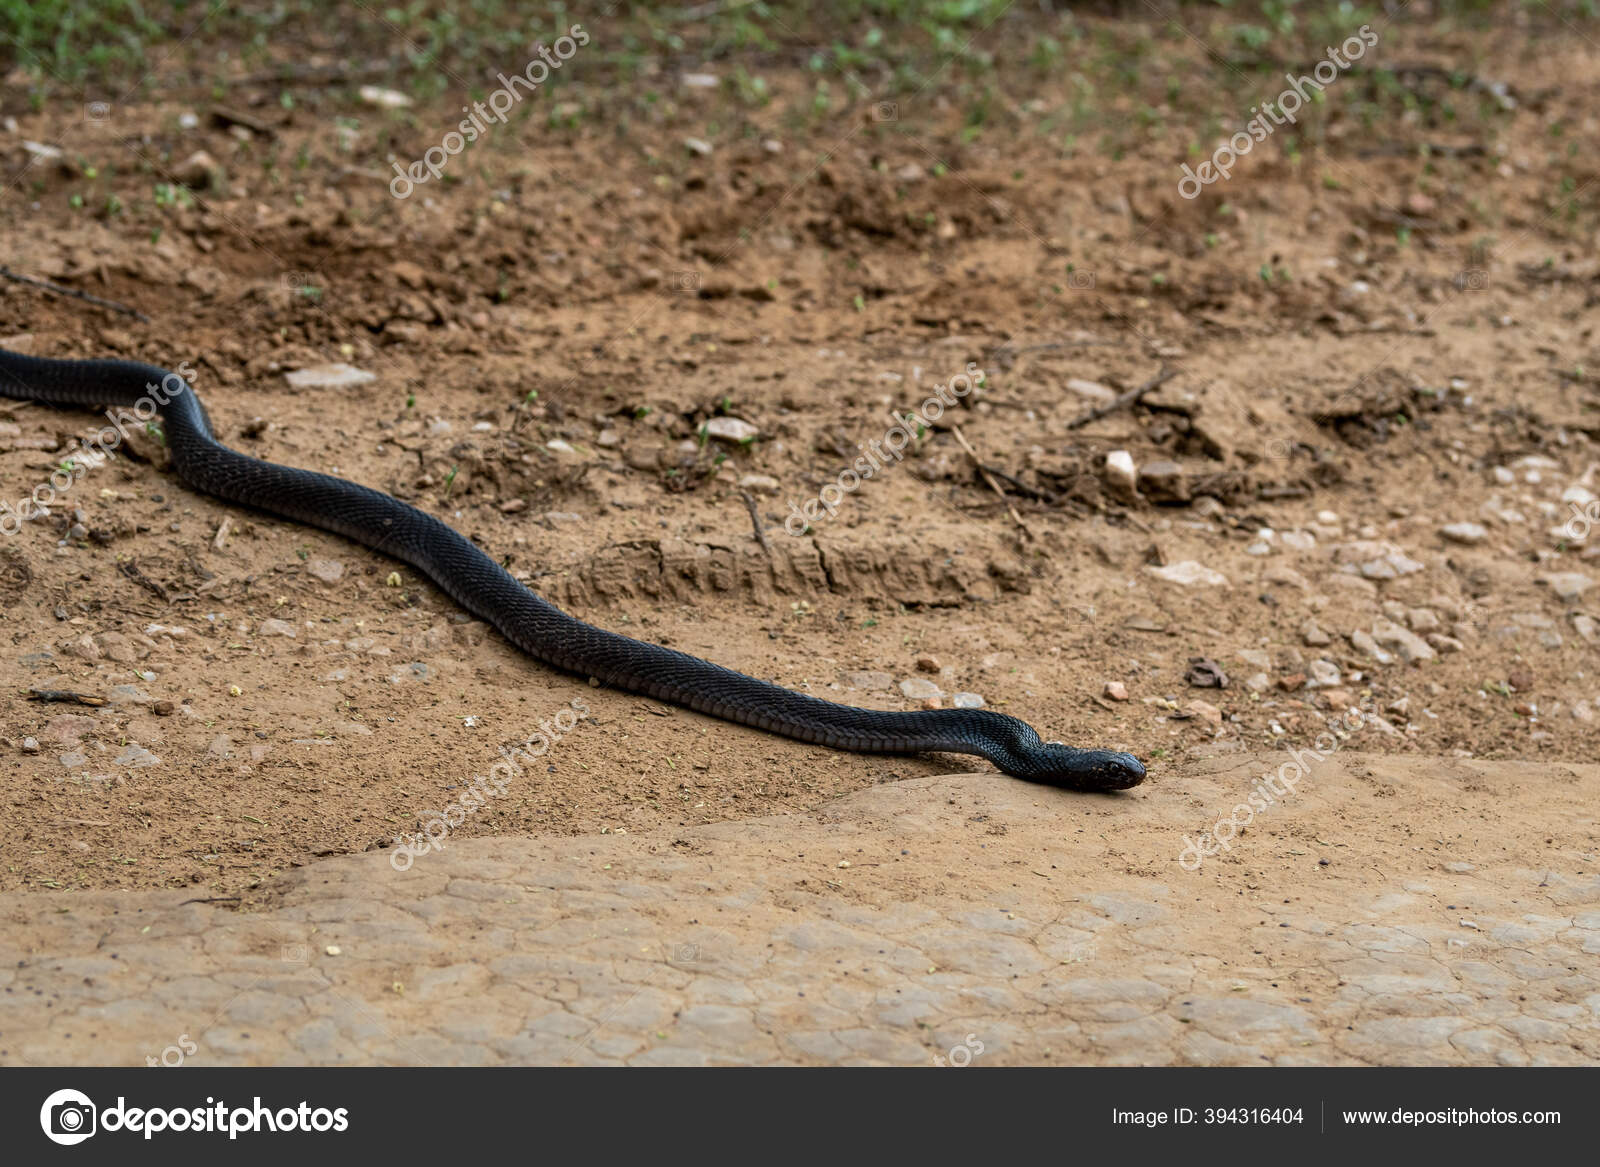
pixel 1062 765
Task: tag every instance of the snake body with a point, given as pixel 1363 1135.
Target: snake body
pixel 538 628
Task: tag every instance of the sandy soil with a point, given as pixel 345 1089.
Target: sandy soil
pixel 1371 342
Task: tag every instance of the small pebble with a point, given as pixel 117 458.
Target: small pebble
pixel 1468 534
pixel 327 570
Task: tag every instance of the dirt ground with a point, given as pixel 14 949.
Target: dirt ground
pixel 1394 915
pixel 629 333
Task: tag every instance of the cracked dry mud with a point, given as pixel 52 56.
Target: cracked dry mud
pixel 1049 928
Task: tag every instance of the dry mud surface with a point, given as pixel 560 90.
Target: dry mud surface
pixel 961 919
pixel 619 364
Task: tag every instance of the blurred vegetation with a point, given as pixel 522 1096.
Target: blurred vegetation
pixel 1109 78
pixel 879 42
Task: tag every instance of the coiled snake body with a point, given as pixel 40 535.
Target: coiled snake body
pixel 543 631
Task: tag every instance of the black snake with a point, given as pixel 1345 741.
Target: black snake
pixel 543 631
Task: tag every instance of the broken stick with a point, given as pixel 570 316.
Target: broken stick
pixel 1125 400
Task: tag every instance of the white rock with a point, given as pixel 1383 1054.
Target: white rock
pixel 276 628
pixel 760 483
pixel 919 689
pixel 1189 574
pixel 383 98
pixel 731 429
pixel 966 701
pixel 1311 632
pixel 1093 390
pixel 1363 640
pixel 1408 644
pixel 136 757
pixel 1324 674
pixel 1120 473
pixel 327 570
pixel 1568 585
pixel 198 170
pixel 1422 621
pixel 334 376
pixel 1469 534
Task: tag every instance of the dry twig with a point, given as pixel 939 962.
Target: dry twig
pixel 1131 397
pixel 990 479
pixel 74 293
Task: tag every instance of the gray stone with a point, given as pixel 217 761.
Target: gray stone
pixel 1568 586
